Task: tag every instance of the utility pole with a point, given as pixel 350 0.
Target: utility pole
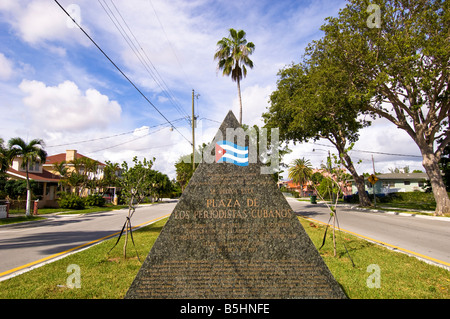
pixel 193 133
pixel 373 186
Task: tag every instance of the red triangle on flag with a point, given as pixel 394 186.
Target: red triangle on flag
pixel 219 152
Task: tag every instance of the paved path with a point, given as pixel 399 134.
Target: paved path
pixel 25 245
pixel 423 237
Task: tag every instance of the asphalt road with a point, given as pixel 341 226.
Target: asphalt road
pixel 25 245
pixel 423 237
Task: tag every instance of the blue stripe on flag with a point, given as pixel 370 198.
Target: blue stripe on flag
pixel 240 148
pixel 230 153
pixel 224 159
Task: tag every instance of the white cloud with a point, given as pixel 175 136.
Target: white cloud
pixel 6 67
pixel 39 21
pixel 66 108
pixel 254 103
pixel 182 51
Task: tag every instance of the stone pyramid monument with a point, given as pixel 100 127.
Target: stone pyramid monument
pixel 233 235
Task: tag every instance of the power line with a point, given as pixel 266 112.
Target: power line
pixel 124 75
pixel 370 152
pixel 134 47
pixel 111 136
pixel 204 118
pixel 173 50
pixel 126 142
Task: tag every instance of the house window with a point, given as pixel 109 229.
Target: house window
pixel 406 183
pixel 32 167
pixel 388 184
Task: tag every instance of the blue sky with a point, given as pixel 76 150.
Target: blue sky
pixel 56 85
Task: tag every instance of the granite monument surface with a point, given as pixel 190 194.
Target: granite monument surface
pixel 233 235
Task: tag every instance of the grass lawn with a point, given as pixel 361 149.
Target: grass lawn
pixel 103 275
pixel 109 276
pixel 401 276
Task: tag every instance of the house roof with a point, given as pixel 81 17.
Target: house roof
pixel 45 176
pixel 58 158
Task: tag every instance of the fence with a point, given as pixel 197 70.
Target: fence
pixel 17 206
pixel 3 211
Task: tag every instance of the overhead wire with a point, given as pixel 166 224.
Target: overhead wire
pixel 126 142
pixel 123 74
pixel 144 59
pixel 170 44
pixel 370 152
pixel 111 136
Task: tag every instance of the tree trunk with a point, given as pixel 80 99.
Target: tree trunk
pixel 240 101
pixel 127 225
pixel 28 207
pixel 364 200
pixel 334 234
pixel 431 165
pixel 126 240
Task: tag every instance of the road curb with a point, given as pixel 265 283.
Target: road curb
pixel 370 210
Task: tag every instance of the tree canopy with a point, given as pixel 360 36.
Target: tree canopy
pixel 404 61
pixel 312 101
pixel 391 60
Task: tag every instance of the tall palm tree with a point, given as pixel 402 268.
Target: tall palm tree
pixel 300 171
pixel 233 55
pixel 30 153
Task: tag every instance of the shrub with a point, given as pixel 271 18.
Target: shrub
pixel 409 197
pixel 71 201
pixel 94 200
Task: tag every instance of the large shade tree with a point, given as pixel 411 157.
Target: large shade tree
pixel 30 153
pixel 233 56
pixel 312 101
pixel 400 50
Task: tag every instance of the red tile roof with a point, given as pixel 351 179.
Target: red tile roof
pixel 58 158
pixel 45 176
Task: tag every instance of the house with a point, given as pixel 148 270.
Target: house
pixel 307 188
pixel 47 181
pixel 304 190
pixel 395 182
pixel 69 158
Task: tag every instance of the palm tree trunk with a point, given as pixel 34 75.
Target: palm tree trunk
pixel 28 207
pixel 240 101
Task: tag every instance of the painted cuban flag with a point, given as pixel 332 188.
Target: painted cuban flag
pixel 227 152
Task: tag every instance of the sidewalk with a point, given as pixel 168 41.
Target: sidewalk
pixel 382 209
pixel 396 211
